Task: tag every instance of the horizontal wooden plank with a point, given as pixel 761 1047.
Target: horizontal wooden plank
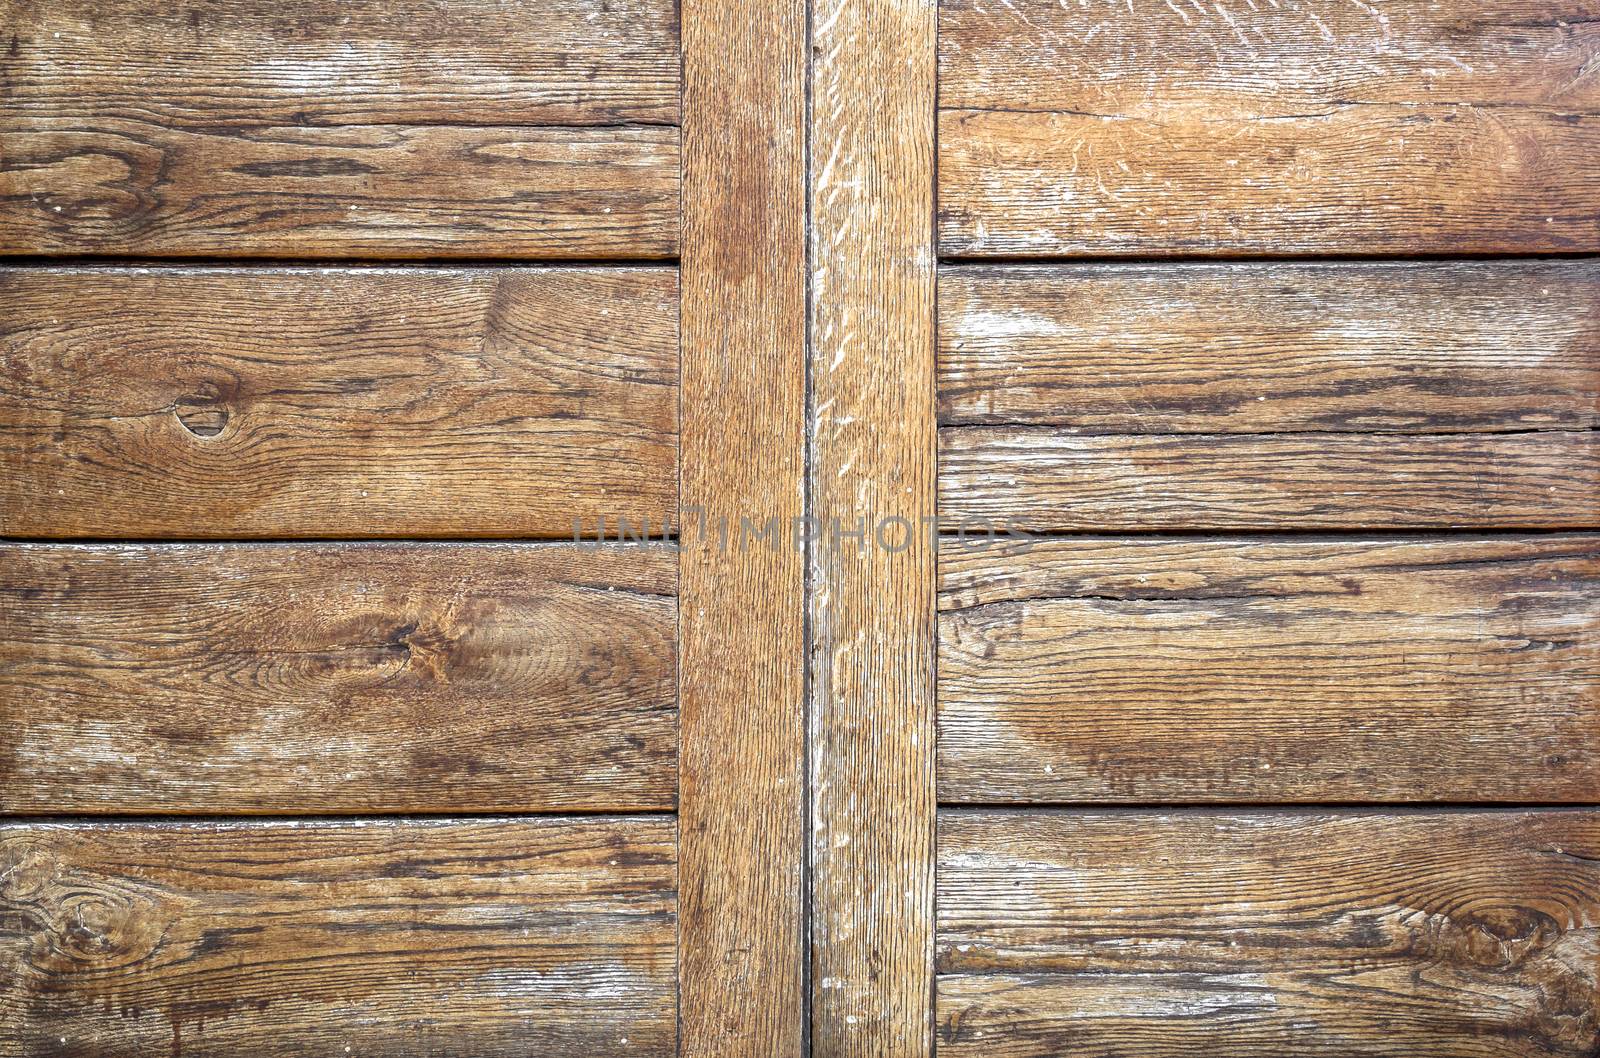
pixel 107 185
pixel 357 402
pixel 1153 127
pixel 1403 347
pixel 1044 478
pixel 337 678
pixel 494 938
pixel 321 62
pixel 1310 670
pixel 1457 935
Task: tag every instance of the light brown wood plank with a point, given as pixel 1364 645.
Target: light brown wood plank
pixel 336 402
pixel 1345 669
pixel 1242 348
pixel 1148 127
pixel 1459 934
pixel 1043 478
pixel 494 938
pixel 742 783
pixel 336 678
pixel 320 62
pixel 103 185
pixel 873 469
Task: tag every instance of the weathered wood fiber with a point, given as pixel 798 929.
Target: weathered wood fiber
pixel 1307 127
pixel 104 185
pixel 1453 934
pixel 1343 669
pixel 320 679
pixel 1045 478
pixel 742 616
pixel 1402 347
pixel 321 62
pixel 353 402
pixel 495 938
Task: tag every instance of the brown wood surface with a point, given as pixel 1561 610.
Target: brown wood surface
pixel 322 679
pixel 1044 478
pixel 1453 934
pixel 336 402
pixel 496 937
pixel 1401 347
pixel 1099 669
pixel 742 778
pixel 1307 127
pixel 872 469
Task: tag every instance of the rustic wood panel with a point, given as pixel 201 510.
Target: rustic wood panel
pixel 117 186
pixel 321 62
pixel 495 938
pixel 873 468
pixel 336 678
pixel 742 784
pixel 356 402
pixel 1241 348
pixel 1455 669
pixel 1043 478
pixel 1152 127
pixel 1460 935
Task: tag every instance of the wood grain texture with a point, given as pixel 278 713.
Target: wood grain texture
pixel 118 186
pixel 1044 478
pixel 1400 347
pixel 1457 935
pixel 356 402
pixel 325 63
pixel 1308 127
pixel 322 679
pixel 494 938
pixel 742 779
pixel 1343 669
pixel 873 469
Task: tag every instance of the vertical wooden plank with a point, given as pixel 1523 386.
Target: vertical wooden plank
pixel 741 667
pixel 872 469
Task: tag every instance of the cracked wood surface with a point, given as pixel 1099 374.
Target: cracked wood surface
pixel 1466 934
pixel 494 937
pixel 337 678
pixel 256 402
pixel 466 128
pixel 1335 669
pixel 1302 127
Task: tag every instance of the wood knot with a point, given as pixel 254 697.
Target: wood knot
pixel 201 415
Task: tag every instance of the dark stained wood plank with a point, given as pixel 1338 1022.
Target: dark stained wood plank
pixel 493 938
pixel 1043 478
pixel 1315 127
pixel 741 672
pixel 1222 348
pixel 872 468
pixel 336 402
pixel 321 62
pixel 1457 935
pixel 117 186
pixel 315 679
pixel 1098 669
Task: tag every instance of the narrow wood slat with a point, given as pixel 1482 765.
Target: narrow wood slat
pixel 336 678
pixel 1153 127
pixel 358 402
pixel 117 186
pixel 1042 478
pixel 325 63
pixel 1245 348
pixel 1096 669
pixel 742 626
pixel 1457 935
pixel 872 469
pixel 494 938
